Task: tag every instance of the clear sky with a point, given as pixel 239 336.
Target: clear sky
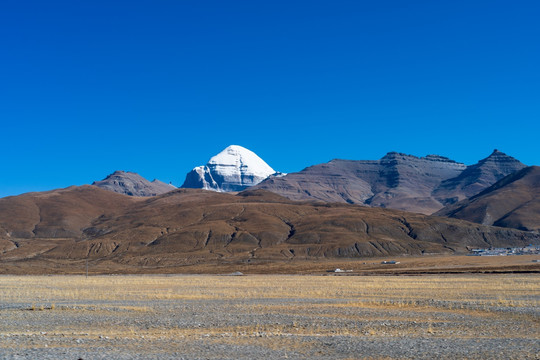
pixel 158 87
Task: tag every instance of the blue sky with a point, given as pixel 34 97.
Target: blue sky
pixel 158 87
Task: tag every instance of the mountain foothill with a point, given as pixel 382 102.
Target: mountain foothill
pixel 237 208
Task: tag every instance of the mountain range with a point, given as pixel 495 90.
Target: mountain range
pixel 397 181
pixel 426 185
pixel 343 208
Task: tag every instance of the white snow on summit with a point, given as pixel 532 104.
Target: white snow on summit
pixel 233 169
pixel 237 159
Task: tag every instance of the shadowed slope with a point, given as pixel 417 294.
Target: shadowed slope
pixel 397 181
pixel 512 202
pixel 477 177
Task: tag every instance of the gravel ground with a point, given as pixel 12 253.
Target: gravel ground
pixel 257 327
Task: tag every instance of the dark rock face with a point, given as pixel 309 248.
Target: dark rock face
pixel 405 182
pixel 512 202
pixel 397 181
pixel 477 177
pixel 200 178
pixel 132 184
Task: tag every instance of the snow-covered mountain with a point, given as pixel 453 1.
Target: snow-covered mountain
pixel 233 169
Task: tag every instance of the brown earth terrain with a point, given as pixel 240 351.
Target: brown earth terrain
pixel 192 230
pixel 406 265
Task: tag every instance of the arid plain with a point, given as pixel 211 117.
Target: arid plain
pixel 473 316
pixel 86 273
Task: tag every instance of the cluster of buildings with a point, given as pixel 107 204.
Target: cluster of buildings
pixel 526 250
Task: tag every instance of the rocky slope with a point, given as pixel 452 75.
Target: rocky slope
pixel 187 226
pixel 233 169
pixel 132 184
pixel 512 202
pixel 477 177
pixel 397 181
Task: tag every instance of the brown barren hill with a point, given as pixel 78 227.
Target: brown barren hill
pixel 189 226
pixel 30 223
pixel 512 202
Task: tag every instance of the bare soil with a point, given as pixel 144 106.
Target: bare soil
pixel 427 264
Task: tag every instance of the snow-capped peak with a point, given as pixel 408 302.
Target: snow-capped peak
pixel 233 169
pixel 236 158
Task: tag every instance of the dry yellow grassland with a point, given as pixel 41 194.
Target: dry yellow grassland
pixel 156 315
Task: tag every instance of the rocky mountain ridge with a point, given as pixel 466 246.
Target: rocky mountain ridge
pixel 477 177
pixel 513 201
pixel 397 181
pixel 133 184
